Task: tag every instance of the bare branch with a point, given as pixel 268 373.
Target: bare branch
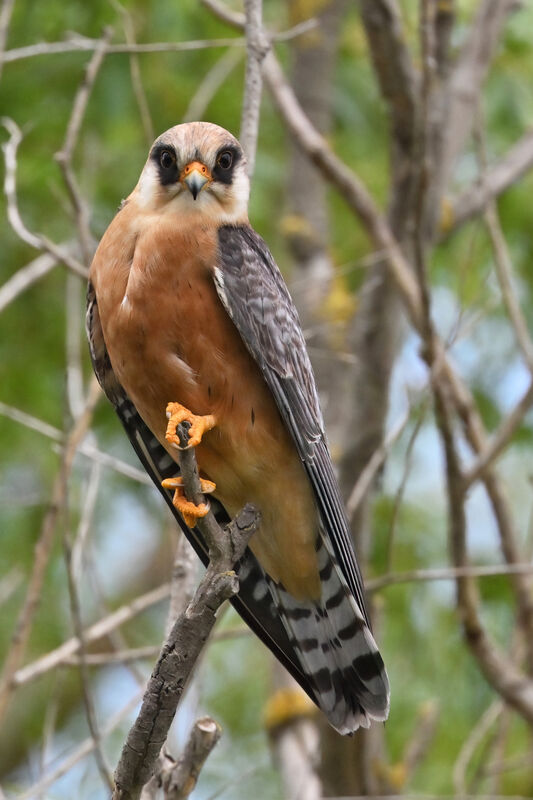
pixel 497 179
pixel 90 712
pixel 135 72
pixel 38 241
pixel 445 574
pixel 211 83
pixel 178 778
pixel 377 460
pixel 25 277
pixel 187 638
pixel 65 652
pixel 81 751
pixel 499 670
pixel 394 68
pixel 472 742
pixel 78 43
pixel 5 19
pixel 468 76
pixel 43 549
pixel 85 448
pixel 500 439
pixel 64 156
pixel 257 46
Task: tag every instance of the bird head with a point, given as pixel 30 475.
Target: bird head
pixel 196 168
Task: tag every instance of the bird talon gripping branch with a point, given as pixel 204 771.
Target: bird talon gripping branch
pixel 177 414
pixel 188 510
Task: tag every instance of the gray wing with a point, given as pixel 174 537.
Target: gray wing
pixel 254 601
pixel 256 298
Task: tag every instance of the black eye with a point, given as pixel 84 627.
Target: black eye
pixel 167 159
pixel 225 159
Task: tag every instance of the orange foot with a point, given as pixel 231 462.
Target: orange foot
pixel 189 511
pixel 177 413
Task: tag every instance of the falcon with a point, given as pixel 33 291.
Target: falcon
pixel 188 318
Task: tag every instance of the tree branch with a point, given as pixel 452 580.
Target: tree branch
pixel 187 637
pixel 498 177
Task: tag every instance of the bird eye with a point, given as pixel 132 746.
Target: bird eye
pixel 167 159
pixel 225 159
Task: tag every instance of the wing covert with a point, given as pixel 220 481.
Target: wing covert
pixel 256 298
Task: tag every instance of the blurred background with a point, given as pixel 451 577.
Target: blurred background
pixel 431 105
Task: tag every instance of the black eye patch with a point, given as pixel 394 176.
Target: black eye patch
pixel 164 157
pixel 226 160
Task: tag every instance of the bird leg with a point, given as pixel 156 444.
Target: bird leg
pixel 189 511
pixel 176 414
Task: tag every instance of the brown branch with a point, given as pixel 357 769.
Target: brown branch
pixel 468 76
pixel 25 277
pixel 135 73
pixel 5 19
pixel 187 638
pixel 64 156
pixel 178 778
pixel 445 574
pixel 78 43
pixel 43 550
pixel 502 674
pixel 395 71
pixel 85 448
pixel 257 46
pixel 90 712
pixel 498 177
pixel 500 438
pixel 65 652
pixel 38 241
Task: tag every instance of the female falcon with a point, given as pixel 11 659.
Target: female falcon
pixel 188 314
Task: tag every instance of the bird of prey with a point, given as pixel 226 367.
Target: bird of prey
pixel 189 318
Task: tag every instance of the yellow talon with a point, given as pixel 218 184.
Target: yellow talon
pixel 189 510
pixel 176 414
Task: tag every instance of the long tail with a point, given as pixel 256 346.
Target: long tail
pixel 336 649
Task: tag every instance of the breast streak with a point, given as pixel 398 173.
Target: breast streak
pixel 180 345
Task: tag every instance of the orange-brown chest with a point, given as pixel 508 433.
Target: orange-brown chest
pixel 170 338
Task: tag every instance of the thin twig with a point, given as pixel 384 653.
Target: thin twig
pixel 211 83
pixel 25 277
pixel 90 711
pixel 85 448
pixel 471 743
pixel 64 156
pixel 377 460
pixel 79 43
pixel 38 241
pixel 43 549
pixel 82 751
pixel 5 19
pixel 500 438
pixel 135 72
pixel 498 177
pixel 446 574
pixel 93 633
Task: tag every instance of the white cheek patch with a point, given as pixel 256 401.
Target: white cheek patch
pixel 148 185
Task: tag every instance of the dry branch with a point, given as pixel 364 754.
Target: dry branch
pixel 38 241
pixel 178 778
pixel 43 549
pixel 187 637
pixel 498 177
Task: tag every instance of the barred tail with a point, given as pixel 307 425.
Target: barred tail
pixel 336 650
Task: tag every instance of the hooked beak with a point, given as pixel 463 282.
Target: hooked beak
pixel 195 176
